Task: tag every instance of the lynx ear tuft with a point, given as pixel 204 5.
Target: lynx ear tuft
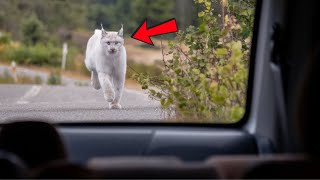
pixel 120 33
pixel 103 32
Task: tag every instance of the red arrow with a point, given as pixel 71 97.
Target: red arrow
pixel 143 33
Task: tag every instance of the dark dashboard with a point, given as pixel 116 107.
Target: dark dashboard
pixel 189 144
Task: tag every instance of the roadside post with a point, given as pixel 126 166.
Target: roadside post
pixel 14 71
pixel 64 56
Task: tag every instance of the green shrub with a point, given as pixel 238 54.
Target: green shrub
pixel 20 54
pixel 32 30
pixel 38 80
pixel 35 55
pixel 45 55
pixel 40 55
pixel 23 79
pixel 79 83
pixel 4 38
pixel 6 78
pixel 54 78
pixel 205 82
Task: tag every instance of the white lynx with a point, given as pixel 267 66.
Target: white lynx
pixel 106 59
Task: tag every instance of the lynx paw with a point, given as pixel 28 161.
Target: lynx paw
pixel 115 106
pixel 109 96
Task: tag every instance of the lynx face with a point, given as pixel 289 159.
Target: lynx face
pixel 112 41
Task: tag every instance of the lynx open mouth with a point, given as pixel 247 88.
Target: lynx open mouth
pixel 112 51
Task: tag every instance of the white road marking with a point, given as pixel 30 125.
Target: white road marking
pixel 33 91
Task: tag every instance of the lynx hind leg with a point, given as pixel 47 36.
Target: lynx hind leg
pixel 95 80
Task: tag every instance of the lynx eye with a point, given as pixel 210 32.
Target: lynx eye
pixel 108 43
pixel 116 43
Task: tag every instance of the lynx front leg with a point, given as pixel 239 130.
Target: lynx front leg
pixel 118 87
pixel 105 82
pixel 95 80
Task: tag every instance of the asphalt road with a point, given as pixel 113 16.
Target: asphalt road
pixel 73 104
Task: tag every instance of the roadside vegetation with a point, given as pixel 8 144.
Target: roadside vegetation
pixel 205 78
pixel 7 78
